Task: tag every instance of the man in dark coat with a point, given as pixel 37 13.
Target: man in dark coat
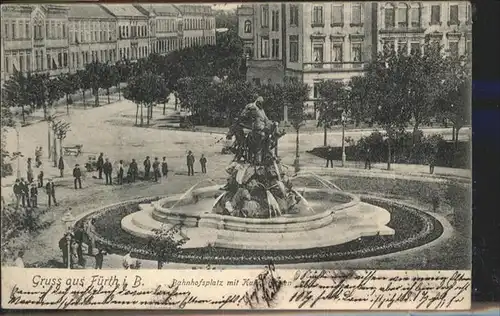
pixel 156 169
pixel 60 166
pixel 329 157
pixel 34 195
pixel 18 192
pixel 77 174
pixel 108 171
pixel 133 169
pixel 100 164
pixel 203 163
pixel 190 163
pixel 164 167
pixel 120 172
pixel 368 158
pixel 25 193
pixel 147 168
pixel 40 179
pixel 51 192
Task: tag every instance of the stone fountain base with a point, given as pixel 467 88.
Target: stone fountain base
pixel 344 220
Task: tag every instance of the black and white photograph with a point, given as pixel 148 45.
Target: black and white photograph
pixel 292 136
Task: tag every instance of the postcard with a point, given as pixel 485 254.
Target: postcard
pixel 311 155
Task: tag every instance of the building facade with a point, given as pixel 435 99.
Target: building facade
pixel 198 25
pixel 64 38
pixel 317 41
pixel 92 36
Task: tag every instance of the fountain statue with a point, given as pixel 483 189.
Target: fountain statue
pixel 257 186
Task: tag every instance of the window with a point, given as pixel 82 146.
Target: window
pixel 275 22
pixel 7 70
pixel 453 15
pixel 337 15
pixel 49 62
pixel 468 47
pixel 402 16
pixel 264 15
pixel 389 17
pixel 28 61
pixel 356 52
pixel 21 62
pixel 27 30
pixel 65 59
pixel 294 15
pixel 337 53
pixel 248 26
pixel 294 48
pixel 14 33
pixel 275 43
pixel 415 17
pixel 356 14
pixel 264 47
pixel 415 48
pixel 6 30
pixel 318 54
pixel 454 49
pixel 318 15
pixel 469 13
pixel 403 47
pixel 435 14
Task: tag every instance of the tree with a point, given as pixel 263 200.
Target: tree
pixel 15 92
pixel 166 243
pixel 295 95
pixel 146 90
pixel 68 86
pixel 357 88
pixel 83 83
pixel 386 95
pixel 333 100
pixel 6 121
pixel 53 90
pixel 123 69
pixel 109 78
pixel 95 72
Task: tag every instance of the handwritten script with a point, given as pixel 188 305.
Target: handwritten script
pixel 236 289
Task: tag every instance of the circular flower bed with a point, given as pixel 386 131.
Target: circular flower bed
pixel 412 227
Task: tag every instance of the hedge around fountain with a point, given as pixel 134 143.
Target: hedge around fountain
pixel 413 226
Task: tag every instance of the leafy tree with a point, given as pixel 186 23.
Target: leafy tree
pixel 146 90
pixel 39 91
pixel 123 69
pixel 226 19
pixel 109 78
pixel 83 83
pixel 53 90
pixel 15 92
pixel 387 90
pixel 6 121
pixel 357 89
pixel 334 99
pixel 274 100
pixel 68 86
pixel 95 72
pixel 166 243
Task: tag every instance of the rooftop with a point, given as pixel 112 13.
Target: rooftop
pixel 88 11
pixel 160 9
pixel 194 9
pixel 122 10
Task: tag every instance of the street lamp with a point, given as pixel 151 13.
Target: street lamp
pixel 17 127
pixel 68 221
pixel 343 119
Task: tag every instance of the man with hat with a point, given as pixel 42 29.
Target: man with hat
pixel 51 192
pixel 77 174
pixel 34 195
pixel 190 163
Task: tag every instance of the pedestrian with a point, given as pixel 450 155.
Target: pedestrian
pixel 99 258
pixel 108 171
pixel 133 169
pixel 329 157
pixel 29 171
pixel 203 163
pixel 19 263
pixel 77 174
pixel 60 166
pixel 100 164
pixel 120 172
pixel 25 193
pixel 368 158
pixel 156 169
pixel 38 156
pixel 40 179
pixel 34 195
pixel 63 246
pixel 74 254
pixel 164 167
pixel 51 192
pixel 190 163
pixel 147 168
pixel 18 192
pixel 432 158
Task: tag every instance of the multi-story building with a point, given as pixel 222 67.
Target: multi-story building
pixel 92 36
pixel 133 30
pixel 198 25
pixel 315 41
pixel 407 25
pixel 166 27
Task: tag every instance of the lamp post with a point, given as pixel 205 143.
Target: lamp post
pixel 343 119
pixel 68 221
pixel 17 127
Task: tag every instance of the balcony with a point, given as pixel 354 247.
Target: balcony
pixel 334 66
pixel 56 42
pixel 402 28
pixel 17 44
pixel 265 63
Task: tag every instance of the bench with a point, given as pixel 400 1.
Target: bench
pixel 73 150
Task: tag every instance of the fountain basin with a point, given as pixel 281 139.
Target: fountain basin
pixel 340 217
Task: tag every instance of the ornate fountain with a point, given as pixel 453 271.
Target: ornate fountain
pixel 260 207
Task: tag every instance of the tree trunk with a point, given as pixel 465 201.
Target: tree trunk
pixel 44 111
pixel 67 104
pixel 453 133
pixel 324 136
pixel 96 100
pixel 389 155
pixel 175 102
pixel 55 147
pixel 142 117
pixel 136 113
pixel 415 130
pixel 119 91
pixel 107 92
pixel 84 103
pixel 22 109
pixel 148 109
pixel 60 147
pixel 297 143
pixel 457 130
pixel 49 152
pixel 164 107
